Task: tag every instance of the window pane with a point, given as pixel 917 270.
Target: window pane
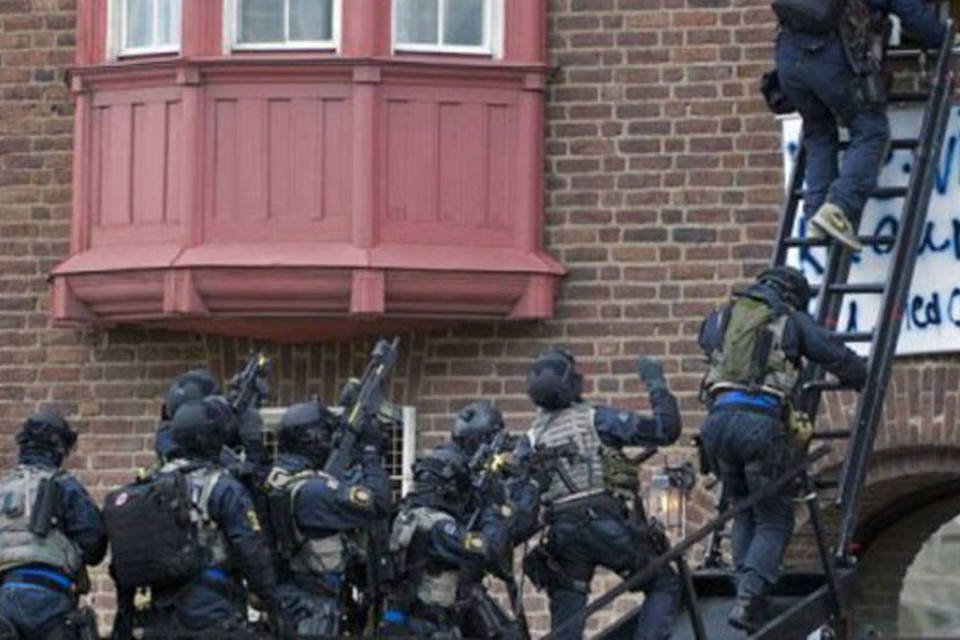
pixel 261 21
pixel 139 24
pixel 417 21
pixel 311 19
pixel 463 23
pixel 169 16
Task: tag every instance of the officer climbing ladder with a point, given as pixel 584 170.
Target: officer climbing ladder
pixel 815 599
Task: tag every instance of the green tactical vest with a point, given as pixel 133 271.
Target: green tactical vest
pixel 751 357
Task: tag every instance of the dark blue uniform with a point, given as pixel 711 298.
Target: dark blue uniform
pixel 216 599
pixel 37 598
pixel 325 508
pixel 581 540
pixel 745 438
pixel 818 79
pixel 448 546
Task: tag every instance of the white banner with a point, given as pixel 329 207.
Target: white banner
pixel 932 314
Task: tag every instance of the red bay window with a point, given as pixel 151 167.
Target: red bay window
pixel 293 169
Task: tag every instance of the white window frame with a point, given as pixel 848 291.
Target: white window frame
pixel 271 421
pixel 231 32
pixel 493 30
pixel 117 33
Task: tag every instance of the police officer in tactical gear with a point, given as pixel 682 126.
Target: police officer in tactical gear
pixel 478 424
pixel 314 517
pixel 757 346
pixel 50 530
pixel 432 545
pixel 195 384
pixel 589 513
pixel 830 70
pixel 232 546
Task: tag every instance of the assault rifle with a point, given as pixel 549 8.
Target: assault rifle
pixel 248 387
pixel 363 406
pixel 361 402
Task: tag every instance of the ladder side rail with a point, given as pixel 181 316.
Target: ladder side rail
pixel 788 214
pixel 900 277
pixel 679 550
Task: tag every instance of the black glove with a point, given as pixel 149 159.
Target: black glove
pixel 251 426
pixel 651 372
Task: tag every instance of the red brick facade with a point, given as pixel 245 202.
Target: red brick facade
pixel 662 191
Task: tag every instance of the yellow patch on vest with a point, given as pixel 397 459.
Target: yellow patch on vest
pixel 473 542
pixel 253 520
pixel 360 495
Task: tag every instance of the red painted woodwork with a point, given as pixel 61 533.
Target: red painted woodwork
pixel 292 195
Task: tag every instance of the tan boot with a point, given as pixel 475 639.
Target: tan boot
pixel 831 220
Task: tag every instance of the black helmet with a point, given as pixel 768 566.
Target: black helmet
pixel 195 384
pixel 790 283
pixel 478 422
pixel 442 479
pixel 307 428
pixel 200 427
pixel 47 431
pixel 552 381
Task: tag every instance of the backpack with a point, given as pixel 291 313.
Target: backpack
pixel 153 529
pixel 809 16
pixel 751 356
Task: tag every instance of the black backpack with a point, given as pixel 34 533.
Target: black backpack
pixel 154 540
pixel 809 16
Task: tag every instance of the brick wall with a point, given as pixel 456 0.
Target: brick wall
pixel 662 183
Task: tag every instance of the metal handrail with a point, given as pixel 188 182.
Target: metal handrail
pixel 680 549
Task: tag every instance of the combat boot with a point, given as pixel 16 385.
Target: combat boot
pixel 748 613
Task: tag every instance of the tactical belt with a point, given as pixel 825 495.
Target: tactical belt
pixel 41 577
pixel 586 500
pixel 734 401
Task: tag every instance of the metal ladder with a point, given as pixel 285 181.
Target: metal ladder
pixel 812 600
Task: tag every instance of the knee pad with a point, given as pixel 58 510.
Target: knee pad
pixel 8 631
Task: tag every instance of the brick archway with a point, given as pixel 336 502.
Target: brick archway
pixel 910 494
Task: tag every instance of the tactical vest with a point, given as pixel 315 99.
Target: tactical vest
pixel 434 589
pixel 201 483
pixel 19 490
pixel 751 356
pixel 576 423
pixel 310 555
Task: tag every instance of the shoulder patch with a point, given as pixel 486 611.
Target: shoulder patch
pixel 252 519
pixel 474 542
pixel 361 496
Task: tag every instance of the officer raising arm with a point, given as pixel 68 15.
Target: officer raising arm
pixel 312 515
pixel 200 524
pixel 50 529
pixel 756 346
pixel 589 523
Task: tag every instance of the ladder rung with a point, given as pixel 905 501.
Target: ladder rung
pixel 855 336
pixel 879 192
pixel 906 143
pixel 823 385
pixel 857 287
pixel 826 483
pixel 822 242
pixel 908 96
pixel 885 193
pixel 831 434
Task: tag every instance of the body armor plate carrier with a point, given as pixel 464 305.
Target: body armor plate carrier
pixel 27 494
pixel 306 555
pixel 433 589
